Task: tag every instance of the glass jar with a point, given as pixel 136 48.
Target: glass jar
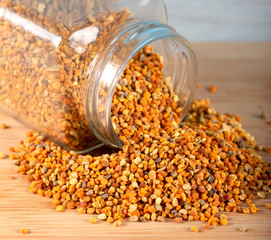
pixel 61 60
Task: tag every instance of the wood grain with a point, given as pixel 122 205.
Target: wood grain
pixel 242 74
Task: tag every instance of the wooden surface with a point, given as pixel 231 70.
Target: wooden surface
pixel 221 20
pixel 242 73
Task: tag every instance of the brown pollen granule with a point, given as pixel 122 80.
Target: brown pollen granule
pixel 185 171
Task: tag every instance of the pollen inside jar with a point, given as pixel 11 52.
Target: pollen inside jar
pixel 46 49
pixel 144 104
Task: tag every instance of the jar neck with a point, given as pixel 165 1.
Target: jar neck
pixel 117 50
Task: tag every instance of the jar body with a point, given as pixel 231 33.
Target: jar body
pixel 50 51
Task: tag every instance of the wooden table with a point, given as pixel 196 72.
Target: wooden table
pixel 242 73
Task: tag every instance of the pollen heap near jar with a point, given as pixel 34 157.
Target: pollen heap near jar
pixel 61 61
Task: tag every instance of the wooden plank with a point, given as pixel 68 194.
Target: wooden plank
pixel 242 74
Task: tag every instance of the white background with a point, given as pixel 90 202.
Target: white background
pixel 221 20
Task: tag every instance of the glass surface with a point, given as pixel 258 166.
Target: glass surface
pixel 60 61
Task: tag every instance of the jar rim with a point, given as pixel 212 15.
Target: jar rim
pixel 110 63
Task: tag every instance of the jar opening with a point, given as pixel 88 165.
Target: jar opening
pixel 179 64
